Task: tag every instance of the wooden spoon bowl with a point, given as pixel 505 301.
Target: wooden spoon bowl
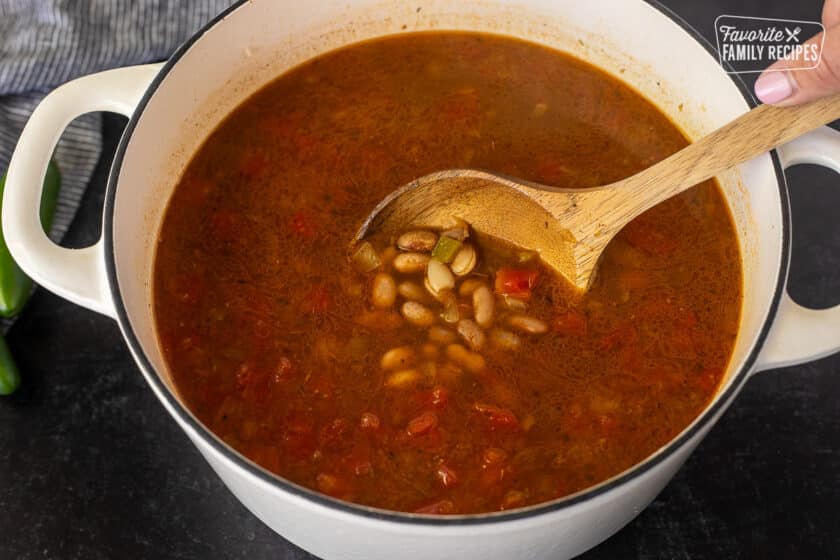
pixel 570 228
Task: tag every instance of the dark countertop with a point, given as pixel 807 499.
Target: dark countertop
pixel 91 466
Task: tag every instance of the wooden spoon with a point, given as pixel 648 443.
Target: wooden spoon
pixel 570 228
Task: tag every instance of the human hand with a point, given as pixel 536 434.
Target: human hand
pixel 778 86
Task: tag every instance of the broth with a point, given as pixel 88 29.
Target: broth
pixel 271 336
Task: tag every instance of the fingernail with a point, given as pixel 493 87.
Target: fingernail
pixel 772 87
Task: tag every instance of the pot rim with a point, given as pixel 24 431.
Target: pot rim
pixel 318 499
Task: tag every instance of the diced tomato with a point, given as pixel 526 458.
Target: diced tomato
pixel 441 507
pixel 516 282
pixel 497 418
pixel 446 476
pixel 303 225
pixel 422 424
pixel 317 300
pixel 440 396
pixel 570 323
pixel 369 421
pixel 645 235
pixel 335 435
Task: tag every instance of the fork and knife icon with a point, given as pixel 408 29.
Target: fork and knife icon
pixel 792 34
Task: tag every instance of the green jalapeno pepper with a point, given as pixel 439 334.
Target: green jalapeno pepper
pixel 15 285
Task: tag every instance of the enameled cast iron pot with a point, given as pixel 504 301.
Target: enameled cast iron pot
pixel 174 106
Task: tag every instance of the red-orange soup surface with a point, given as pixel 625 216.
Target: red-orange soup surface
pixel 273 339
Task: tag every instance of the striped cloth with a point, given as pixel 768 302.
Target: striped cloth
pixel 45 43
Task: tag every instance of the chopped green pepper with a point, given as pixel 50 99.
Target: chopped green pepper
pixel 15 285
pixel 446 249
pixel 9 376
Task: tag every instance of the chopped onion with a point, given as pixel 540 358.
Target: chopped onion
pixel 365 258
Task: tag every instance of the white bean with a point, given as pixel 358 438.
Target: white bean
pixel 451 313
pixel 384 290
pixel 429 351
pixel 441 335
pixel 403 378
pixel 388 254
pixel 417 314
pixel 505 340
pixel 413 292
pixel 398 358
pixel 470 361
pixel 464 261
pixel 514 303
pixel 527 324
pixel 439 276
pixel 471 333
pixel 484 306
pixel 411 263
pixel 429 289
pixel 420 240
pixel 468 286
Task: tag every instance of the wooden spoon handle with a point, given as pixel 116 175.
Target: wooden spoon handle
pixel 751 134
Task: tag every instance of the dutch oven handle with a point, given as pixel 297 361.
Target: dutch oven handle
pixel 800 334
pixel 76 274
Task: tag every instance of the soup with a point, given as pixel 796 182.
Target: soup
pixel 326 371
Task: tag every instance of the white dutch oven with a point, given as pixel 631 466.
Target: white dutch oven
pixel 173 107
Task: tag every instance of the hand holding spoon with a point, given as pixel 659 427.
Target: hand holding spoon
pixel 570 228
